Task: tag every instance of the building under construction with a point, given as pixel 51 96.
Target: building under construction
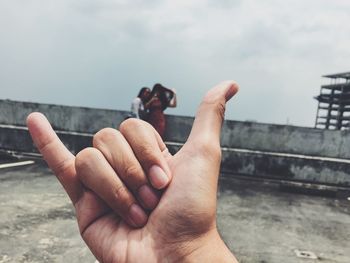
pixel 333 110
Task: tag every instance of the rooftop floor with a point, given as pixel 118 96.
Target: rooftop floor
pixel 258 220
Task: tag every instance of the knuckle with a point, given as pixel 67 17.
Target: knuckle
pixel 132 172
pixel 209 149
pixel 130 124
pixel 147 154
pixel 218 107
pixel 64 166
pixel 104 136
pixel 217 152
pixel 121 194
pixel 85 157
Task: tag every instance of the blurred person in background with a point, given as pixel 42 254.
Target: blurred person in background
pixel 138 109
pixel 160 99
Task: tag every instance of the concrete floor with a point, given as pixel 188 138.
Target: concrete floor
pixel 258 221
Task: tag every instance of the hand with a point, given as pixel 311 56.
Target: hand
pixel 104 185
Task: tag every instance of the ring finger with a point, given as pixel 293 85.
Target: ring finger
pixel 96 174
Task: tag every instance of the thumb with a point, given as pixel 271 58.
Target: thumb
pixel 206 128
pixel 202 152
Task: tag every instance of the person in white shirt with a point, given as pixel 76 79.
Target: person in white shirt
pixel 138 109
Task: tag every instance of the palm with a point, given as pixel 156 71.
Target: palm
pixel 175 216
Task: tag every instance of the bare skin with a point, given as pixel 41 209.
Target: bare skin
pixel 134 201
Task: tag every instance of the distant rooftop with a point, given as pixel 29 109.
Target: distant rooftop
pixel 345 75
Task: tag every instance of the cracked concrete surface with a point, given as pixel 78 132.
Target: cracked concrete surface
pixel 258 221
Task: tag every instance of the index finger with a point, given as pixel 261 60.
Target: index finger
pixel 56 155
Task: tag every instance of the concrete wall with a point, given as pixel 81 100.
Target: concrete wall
pixel 284 167
pixel 235 134
pixel 271 137
pixel 63 118
pixel 267 138
pixel 18 139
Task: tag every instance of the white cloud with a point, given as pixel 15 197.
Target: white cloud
pixel 99 53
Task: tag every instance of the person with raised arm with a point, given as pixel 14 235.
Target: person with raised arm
pixel 160 99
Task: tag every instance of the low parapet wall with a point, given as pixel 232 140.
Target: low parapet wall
pixel 235 134
pixel 17 139
pixel 278 151
pixel 63 118
pixel 270 137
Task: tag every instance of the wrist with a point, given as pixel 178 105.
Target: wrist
pixel 211 249
pixel 207 248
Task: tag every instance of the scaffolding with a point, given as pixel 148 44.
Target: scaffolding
pixel 333 110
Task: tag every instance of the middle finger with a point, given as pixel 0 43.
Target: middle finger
pixel 121 157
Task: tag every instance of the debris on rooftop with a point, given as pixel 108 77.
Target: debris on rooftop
pixel 305 254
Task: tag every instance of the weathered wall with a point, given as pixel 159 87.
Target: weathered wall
pixel 235 134
pixel 267 138
pixel 289 168
pixel 18 139
pixel 271 137
pixel 64 118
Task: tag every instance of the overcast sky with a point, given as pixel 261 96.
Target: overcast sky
pixel 100 53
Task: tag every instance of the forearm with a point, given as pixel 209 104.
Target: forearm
pixel 173 103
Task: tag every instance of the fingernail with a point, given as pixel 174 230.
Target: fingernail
pixel 158 177
pixel 148 197
pixel 231 91
pixel 137 215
